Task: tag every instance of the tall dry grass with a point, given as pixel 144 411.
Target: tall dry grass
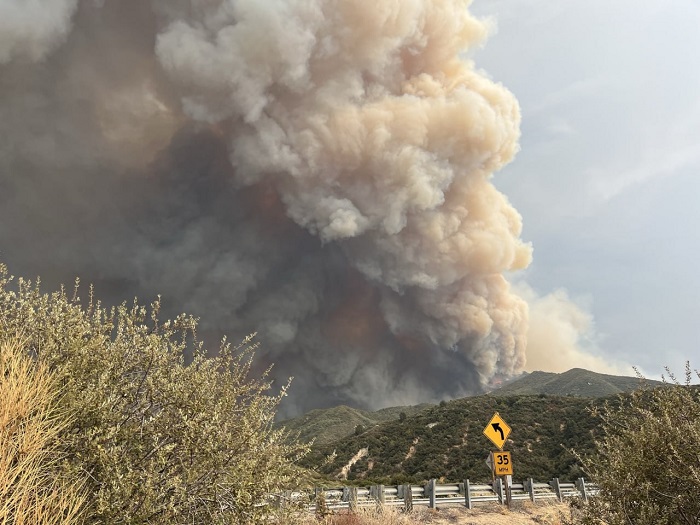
pixel 32 491
pixel 365 516
pixel 524 513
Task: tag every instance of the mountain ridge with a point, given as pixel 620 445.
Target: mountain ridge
pixel 577 382
pixel 331 424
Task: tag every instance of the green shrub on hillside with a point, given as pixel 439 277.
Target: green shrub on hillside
pixel 647 462
pixel 448 443
pixel 156 440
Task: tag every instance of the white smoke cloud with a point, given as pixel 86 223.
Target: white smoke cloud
pixel 562 335
pixel 31 29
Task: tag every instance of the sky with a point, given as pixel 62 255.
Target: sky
pixel 405 202
pixel 607 179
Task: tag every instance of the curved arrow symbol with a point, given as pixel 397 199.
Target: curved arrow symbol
pixel 497 428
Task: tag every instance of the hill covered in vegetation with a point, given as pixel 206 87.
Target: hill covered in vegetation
pixel 327 425
pixel 447 442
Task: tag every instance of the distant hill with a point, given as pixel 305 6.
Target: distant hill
pixel 331 424
pixel 575 382
pixel 447 442
pixel 548 412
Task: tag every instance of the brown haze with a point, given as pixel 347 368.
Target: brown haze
pixel 316 170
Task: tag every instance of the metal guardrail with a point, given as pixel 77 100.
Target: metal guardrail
pixel 434 495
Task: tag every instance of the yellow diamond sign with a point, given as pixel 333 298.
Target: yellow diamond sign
pixel 497 430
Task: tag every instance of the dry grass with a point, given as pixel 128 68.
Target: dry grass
pixel 521 514
pixel 365 516
pixel 31 492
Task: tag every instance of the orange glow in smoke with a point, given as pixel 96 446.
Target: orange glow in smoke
pixel 358 320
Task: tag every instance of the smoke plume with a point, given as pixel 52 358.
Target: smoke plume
pixel 561 335
pixel 316 170
pixel 30 30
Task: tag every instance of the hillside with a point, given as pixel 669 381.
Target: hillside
pixel 447 441
pixel 575 382
pixel 331 424
pixel 548 412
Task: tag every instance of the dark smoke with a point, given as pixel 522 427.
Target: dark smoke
pixel 317 171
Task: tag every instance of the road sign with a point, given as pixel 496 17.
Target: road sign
pixel 489 462
pixel 502 464
pixel 497 430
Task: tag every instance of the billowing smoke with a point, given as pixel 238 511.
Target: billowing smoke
pixel 561 335
pixel 316 170
pixel 31 30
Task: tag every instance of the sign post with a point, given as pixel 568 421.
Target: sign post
pixel 501 463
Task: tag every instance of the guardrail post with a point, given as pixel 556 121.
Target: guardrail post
pixel 352 498
pixel 467 494
pixel 321 508
pixel 557 488
pixel 430 488
pixel 509 485
pixel 376 492
pixel 285 499
pixel 498 489
pixel 530 487
pixel 407 498
pixel 346 494
pixel 581 485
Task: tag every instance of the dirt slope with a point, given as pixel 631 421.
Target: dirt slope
pixel 521 514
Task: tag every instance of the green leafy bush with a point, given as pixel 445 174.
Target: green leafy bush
pixel 647 462
pixel 157 440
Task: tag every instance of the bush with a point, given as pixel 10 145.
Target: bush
pixel 32 489
pixel 646 463
pixel 158 441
